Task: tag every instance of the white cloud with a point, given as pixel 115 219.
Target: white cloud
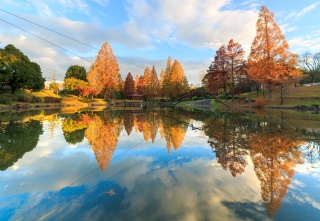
pixel 196 23
pixel 296 15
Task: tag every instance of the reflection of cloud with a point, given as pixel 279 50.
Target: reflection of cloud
pixel 182 190
pixel 307 169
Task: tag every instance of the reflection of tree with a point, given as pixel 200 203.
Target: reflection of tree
pixel 173 130
pixel 312 146
pixel 103 137
pixel 228 141
pixel 150 126
pixel 274 156
pixel 73 130
pixel 128 120
pixel 16 139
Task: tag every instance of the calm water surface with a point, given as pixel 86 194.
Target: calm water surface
pixel 152 165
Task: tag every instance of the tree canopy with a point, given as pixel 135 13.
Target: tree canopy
pixel 104 73
pixel 77 72
pixel 18 72
pixel 16 139
pixel 129 88
pixel 270 60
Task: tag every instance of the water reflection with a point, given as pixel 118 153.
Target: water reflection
pixel 266 148
pixel 17 138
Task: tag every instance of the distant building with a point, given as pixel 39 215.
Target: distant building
pixel 47 85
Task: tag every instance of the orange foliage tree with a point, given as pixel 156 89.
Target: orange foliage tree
pixel 217 76
pixel 155 82
pixel 235 60
pixel 274 155
pixel 147 83
pixel 129 88
pixel 177 83
pixel 172 131
pixel 103 137
pixel 164 78
pixel 270 60
pixel 104 73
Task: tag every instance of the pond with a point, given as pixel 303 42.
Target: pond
pixel 159 165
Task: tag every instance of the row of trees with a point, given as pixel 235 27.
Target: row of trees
pixel 104 77
pixel 172 82
pixel 270 64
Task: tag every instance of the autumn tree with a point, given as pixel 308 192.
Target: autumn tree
pixel 77 72
pixel 71 84
pixel 161 84
pixel 217 75
pixel 155 82
pixel 268 60
pixel 128 120
pixel 104 73
pixel 166 76
pixel 147 83
pixel 227 140
pixel 289 75
pixel 102 135
pixel 274 151
pixel 173 131
pixel 140 84
pixel 235 59
pixel 129 86
pixel 136 82
pixel 177 82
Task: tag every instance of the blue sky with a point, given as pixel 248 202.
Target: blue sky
pixel 146 32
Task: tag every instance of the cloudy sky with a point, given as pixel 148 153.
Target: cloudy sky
pixel 145 32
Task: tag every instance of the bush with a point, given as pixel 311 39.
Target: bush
pixel 25 98
pixel 52 100
pixel 36 99
pixel 5 100
pixel 260 103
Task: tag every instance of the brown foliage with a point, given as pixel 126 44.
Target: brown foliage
pixel 104 74
pixel 129 87
pixel 270 61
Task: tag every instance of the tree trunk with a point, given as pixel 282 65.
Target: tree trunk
pixel 270 91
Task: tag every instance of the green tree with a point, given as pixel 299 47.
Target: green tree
pixel 73 131
pixel 71 84
pixel 54 87
pixel 18 72
pixel 17 138
pixel 77 72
